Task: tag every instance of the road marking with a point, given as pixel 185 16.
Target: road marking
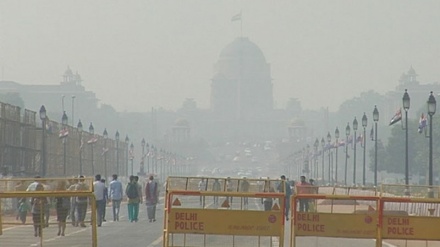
pixel 156 242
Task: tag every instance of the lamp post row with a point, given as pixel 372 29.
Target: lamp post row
pixel 431 109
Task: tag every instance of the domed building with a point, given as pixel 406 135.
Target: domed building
pixel 241 88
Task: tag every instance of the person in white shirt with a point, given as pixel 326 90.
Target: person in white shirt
pixel 202 187
pixel 99 191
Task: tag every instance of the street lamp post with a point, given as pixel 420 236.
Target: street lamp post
pixel 80 129
pixel 376 119
pixel 117 151
pixel 92 132
pixel 322 167
pixel 315 162
pixel 355 127
pixel 148 158
pixel 105 135
pixel 132 157
pixel 43 118
pixel 364 141
pixel 142 168
pixel 73 109
pixel 336 158
pixel 127 140
pixel 347 134
pixel 406 105
pixel 329 139
pixel 431 111
pixel 64 136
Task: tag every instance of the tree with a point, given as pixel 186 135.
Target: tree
pixel 13 99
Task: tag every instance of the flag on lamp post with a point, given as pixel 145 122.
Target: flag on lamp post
pixel 396 118
pixel 236 17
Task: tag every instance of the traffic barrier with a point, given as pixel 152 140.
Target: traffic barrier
pixel 333 216
pixel 225 217
pixel 402 219
pixel 29 218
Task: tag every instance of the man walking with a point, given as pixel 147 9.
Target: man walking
pixel 81 202
pixel 115 196
pixel 133 198
pixel 284 187
pixel 303 188
pixel 151 198
pixel 216 186
pixel 99 191
pixel 136 209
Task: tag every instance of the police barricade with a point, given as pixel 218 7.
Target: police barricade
pixel 334 220
pixel 35 215
pixel 223 217
pixel 410 221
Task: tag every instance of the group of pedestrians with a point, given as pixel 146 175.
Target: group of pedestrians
pixel 75 207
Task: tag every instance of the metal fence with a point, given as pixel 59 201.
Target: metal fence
pixel 21 143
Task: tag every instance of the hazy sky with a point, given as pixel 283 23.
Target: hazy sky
pixel 136 54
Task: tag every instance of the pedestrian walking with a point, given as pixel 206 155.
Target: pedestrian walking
pixel 151 198
pixel 133 199
pixel 38 205
pixel 99 191
pixel 115 196
pixel 140 201
pixel 216 186
pixel 62 208
pixel 284 187
pixel 72 212
pixel 244 187
pixel 81 202
pixel 202 187
pixel 303 187
pixel 105 199
pixel 23 208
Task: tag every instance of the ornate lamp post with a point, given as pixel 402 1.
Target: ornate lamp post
pixel 148 158
pixel 80 129
pixel 315 162
pixel 329 140
pixel 347 134
pixel 92 132
pixel 132 157
pixel 104 152
pixel 406 105
pixel 432 104
pixel 64 136
pixel 322 167
pixel 127 140
pixel 117 151
pixel 355 127
pixel 375 119
pixel 142 168
pixel 336 158
pixel 43 118
pixel 364 142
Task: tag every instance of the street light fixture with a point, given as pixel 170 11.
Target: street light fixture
pixel 375 119
pixel 132 157
pixel 336 158
pixel 43 118
pixel 406 104
pixel 142 168
pixel 92 132
pixel 432 104
pixel 315 163
pixel 364 144
pixel 80 129
pixel 117 151
pixel 355 127
pixel 347 134
pixel 322 168
pixel 148 158
pixel 105 135
pixel 63 135
pixel 127 140
pixel 329 140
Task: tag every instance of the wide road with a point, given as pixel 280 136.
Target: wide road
pixel 144 233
